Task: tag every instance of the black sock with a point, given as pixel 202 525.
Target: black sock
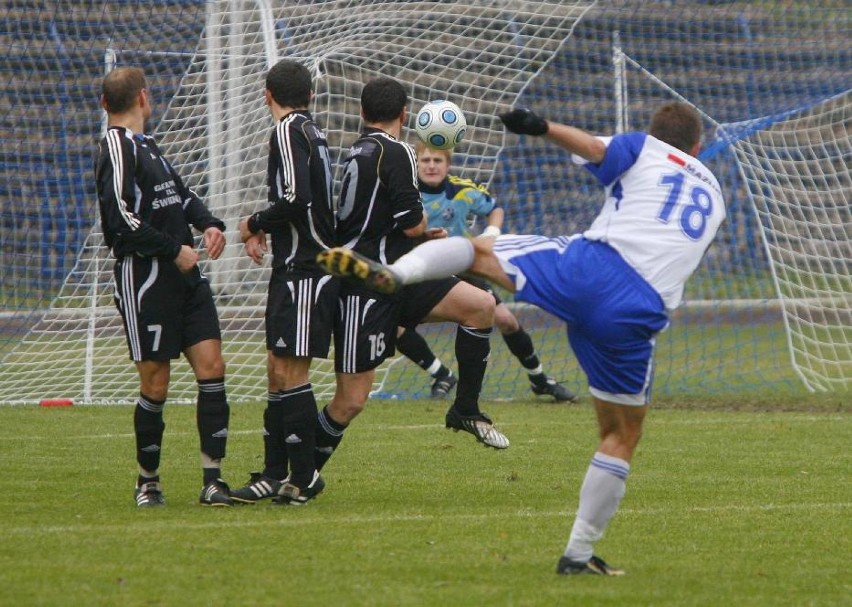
pixel 412 345
pixel 472 349
pixel 274 449
pixel 539 379
pixel 520 344
pixel 329 435
pixel 213 415
pixel 141 480
pixel 299 430
pixel 442 372
pixel 210 475
pixel 148 426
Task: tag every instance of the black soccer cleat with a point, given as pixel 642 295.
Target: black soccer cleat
pixel 479 425
pixel 550 387
pixel 259 487
pixel 215 493
pixel 149 495
pixel 594 566
pixel 347 263
pixel 442 386
pixel 293 495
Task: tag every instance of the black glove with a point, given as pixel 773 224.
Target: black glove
pixel 523 122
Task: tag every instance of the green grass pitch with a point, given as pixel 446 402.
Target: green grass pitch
pixel 723 507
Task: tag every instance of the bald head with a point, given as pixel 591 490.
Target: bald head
pixel 121 88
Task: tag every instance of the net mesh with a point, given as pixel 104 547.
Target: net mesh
pixel 798 173
pixel 750 68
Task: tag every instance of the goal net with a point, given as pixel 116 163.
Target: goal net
pixel 799 173
pixel 772 284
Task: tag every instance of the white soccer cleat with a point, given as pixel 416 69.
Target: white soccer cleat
pixel 480 426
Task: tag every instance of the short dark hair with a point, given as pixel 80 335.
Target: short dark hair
pixel 121 87
pixel 678 124
pixel 290 84
pixel 383 99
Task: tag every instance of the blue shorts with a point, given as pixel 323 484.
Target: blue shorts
pixel 613 314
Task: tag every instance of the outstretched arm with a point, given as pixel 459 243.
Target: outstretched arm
pixel 524 122
pixel 577 141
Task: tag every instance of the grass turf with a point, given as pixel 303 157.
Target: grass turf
pixel 723 507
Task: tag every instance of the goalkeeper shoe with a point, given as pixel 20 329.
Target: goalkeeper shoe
pixel 149 495
pixel 480 425
pixel 442 386
pixel 215 493
pixel 594 566
pixel 550 387
pixel 258 488
pixel 293 495
pixel 349 264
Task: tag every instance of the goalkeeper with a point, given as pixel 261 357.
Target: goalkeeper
pixel 612 285
pixel 448 201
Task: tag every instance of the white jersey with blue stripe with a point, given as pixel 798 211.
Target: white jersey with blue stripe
pixel 663 208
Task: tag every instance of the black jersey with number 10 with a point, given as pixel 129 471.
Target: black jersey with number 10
pixel 379 197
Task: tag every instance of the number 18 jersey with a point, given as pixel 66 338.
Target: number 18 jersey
pixel 663 208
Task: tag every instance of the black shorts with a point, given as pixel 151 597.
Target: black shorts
pixel 418 299
pixel 300 310
pixel 365 329
pixel 164 311
pixel 483 284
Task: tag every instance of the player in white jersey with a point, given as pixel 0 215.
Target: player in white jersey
pixel 612 284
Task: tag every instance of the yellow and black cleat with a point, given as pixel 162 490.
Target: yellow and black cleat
pixel 349 264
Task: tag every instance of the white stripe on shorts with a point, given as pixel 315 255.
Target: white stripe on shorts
pixel 509 246
pixel 303 328
pixel 352 321
pixel 131 308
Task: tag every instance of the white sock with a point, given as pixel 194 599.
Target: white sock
pixel 435 367
pixel 600 497
pixel 209 462
pixel 435 259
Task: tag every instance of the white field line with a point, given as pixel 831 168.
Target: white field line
pixel 764 418
pixel 299 520
pixel 112 435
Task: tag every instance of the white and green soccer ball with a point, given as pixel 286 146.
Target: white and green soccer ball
pixel 440 125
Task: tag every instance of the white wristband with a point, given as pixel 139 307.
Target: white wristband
pixel 490 232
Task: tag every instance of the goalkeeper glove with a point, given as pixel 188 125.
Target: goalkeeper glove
pixel 523 122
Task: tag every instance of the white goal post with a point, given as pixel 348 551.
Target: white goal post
pixel 215 130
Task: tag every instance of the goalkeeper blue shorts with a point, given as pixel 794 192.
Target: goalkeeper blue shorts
pixel 613 314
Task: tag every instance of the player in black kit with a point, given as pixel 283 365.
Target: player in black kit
pixel 380 216
pixel 302 300
pixel 165 302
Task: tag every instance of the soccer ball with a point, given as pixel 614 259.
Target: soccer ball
pixel 440 125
